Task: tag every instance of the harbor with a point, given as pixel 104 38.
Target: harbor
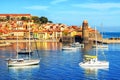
pixel 59 40
pixel 55 65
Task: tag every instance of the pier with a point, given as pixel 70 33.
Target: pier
pixel 107 41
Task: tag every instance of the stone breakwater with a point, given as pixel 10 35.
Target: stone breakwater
pixel 110 41
pixel 107 41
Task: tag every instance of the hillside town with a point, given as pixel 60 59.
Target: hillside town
pixel 11 25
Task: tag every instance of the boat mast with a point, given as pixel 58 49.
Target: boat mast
pixel 26 44
pixel 17 43
pixel 102 41
pixel 102 33
pixel 29 40
pixel 96 43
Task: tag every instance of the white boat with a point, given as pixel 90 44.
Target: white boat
pixel 100 46
pixel 69 48
pixel 92 61
pixel 77 44
pixel 22 62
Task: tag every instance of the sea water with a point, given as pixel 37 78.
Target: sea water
pixel 56 64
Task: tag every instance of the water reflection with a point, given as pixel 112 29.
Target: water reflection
pixel 55 64
pixel 93 73
pixel 20 68
pixel 86 50
pixel 21 73
pixel 43 45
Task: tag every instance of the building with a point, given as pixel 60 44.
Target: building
pixel 4 16
pixel 85 32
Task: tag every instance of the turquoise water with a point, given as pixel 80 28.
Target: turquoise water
pixel 60 65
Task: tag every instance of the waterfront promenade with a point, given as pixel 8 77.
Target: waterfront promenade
pixel 30 40
pixel 108 41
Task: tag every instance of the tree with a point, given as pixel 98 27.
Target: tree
pixel 50 21
pixel 24 18
pixel 36 19
pixel 8 17
pixel 43 20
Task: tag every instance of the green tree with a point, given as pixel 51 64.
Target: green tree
pixel 50 21
pixel 24 18
pixel 8 17
pixel 43 20
pixel 36 19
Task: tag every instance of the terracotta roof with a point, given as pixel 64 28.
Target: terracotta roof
pixel 15 14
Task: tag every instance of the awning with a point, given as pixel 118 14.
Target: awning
pixel 90 56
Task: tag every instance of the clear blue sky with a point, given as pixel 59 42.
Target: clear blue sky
pixel 70 12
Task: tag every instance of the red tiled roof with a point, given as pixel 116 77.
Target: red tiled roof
pixel 15 14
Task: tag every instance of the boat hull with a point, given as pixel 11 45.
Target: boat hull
pixel 100 46
pixel 24 52
pixel 102 64
pixel 69 48
pixel 77 45
pixel 13 63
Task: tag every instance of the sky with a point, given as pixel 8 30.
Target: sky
pixel 69 12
